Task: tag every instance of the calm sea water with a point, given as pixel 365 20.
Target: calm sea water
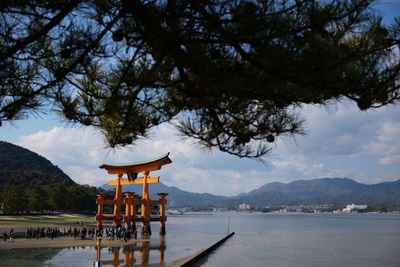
pixel 323 239
pixel 311 240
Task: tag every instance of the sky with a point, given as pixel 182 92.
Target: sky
pixel 341 141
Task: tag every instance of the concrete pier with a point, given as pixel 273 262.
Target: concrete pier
pixel 196 257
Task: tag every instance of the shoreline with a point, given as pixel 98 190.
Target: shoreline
pixel 64 242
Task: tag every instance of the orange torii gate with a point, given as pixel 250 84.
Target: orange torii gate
pixel 131 200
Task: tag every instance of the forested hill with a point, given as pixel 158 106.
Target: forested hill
pixel 30 182
pixel 20 166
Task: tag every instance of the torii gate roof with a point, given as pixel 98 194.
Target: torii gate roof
pixel 137 167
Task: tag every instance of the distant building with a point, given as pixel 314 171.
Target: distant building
pixel 244 206
pixel 354 207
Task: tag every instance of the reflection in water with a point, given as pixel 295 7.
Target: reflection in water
pixel 278 239
pixel 125 256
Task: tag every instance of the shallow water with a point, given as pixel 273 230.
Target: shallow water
pixel 311 240
pixel 260 240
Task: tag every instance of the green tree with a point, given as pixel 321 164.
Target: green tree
pixel 14 200
pixel 82 199
pixel 38 199
pixel 231 74
pixel 59 199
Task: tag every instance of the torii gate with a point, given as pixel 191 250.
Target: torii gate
pixel 131 200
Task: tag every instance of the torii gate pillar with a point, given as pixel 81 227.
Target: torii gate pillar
pixel 118 201
pixel 145 208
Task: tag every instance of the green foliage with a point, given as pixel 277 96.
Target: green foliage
pixel 231 74
pixel 45 198
pixel 14 200
pixel 21 166
pixel 38 199
pixel 58 198
pixel 29 182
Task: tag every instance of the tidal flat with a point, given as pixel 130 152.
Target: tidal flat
pixel 272 239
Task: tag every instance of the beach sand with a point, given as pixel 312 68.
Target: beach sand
pixel 64 221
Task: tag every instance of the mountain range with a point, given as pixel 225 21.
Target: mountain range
pixel 30 173
pixel 336 191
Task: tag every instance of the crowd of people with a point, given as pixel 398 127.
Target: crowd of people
pixel 120 233
pixel 111 233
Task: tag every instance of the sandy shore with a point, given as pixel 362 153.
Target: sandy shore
pixel 61 242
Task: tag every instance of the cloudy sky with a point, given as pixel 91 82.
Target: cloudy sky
pixel 341 141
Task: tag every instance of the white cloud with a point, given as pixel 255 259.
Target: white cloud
pixel 342 129
pixel 77 151
pixel 218 182
pixel 342 142
pixel 80 151
pixel 386 146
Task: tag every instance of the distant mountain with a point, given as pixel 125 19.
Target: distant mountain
pixel 325 186
pixel 337 191
pixel 177 197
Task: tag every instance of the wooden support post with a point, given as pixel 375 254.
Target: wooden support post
pixel 135 202
pixel 118 200
pixel 128 203
pixel 130 210
pixel 99 217
pixel 145 207
pixel 98 253
pixel 115 256
pixel 145 253
pixel 163 201
pixel 115 261
pixel 162 249
pixel 129 255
